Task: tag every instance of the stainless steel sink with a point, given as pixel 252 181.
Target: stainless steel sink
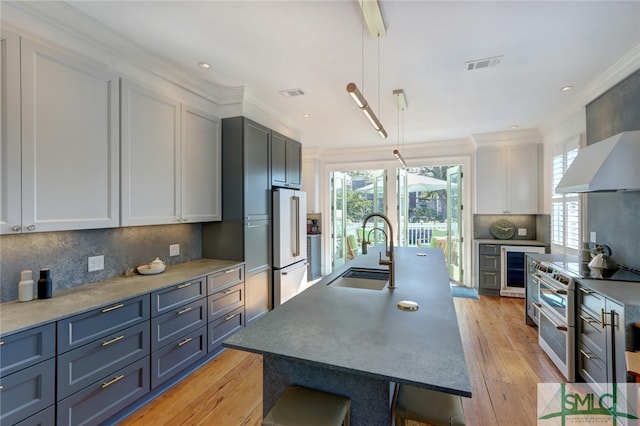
pixel 369 279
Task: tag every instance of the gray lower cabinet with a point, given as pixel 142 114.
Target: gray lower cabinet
pixel 177 355
pixel 46 417
pixel 27 373
pixel 170 298
pixel 226 306
pixel 600 331
pixel 182 320
pixel 27 391
pixel 489 268
pixel 313 256
pixel 82 366
pixel 104 398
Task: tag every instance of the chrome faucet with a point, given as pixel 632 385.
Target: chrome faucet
pixel 388 262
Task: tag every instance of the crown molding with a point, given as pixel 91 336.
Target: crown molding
pixel 72 22
pixel 507 137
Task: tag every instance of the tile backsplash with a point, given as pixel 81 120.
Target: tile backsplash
pixel 536 226
pixel 66 253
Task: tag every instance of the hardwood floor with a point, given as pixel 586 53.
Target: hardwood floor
pixel 504 361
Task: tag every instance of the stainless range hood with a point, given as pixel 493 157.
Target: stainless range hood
pixel 612 164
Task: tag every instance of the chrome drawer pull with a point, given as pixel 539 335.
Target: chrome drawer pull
pixel 228 291
pixel 184 311
pixel 112 308
pixel 1 342
pixel 228 317
pixel 1 387
pixel 184 285
pixel 586 290
pixel 185 341
pixel 115 339
pixel 602 318
pixel 586 355
pixel 230 271
pixel 112 381
pixel 587 320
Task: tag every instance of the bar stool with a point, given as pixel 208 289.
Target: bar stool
pixel 426 406
pixel 301 406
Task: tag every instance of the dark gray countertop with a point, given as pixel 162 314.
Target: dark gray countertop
pixel 362 331
pixel 510 242
pixel 18 316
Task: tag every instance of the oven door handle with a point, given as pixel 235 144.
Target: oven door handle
pixel 555 324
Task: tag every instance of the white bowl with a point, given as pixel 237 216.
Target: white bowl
pixel 146 270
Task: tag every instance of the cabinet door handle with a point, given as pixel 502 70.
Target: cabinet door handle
pixel 562 328
pixel 586 355
pixel 185 341
pixel 228 291
pixel 184 311
pixel 112 381
pixel 1 342
pixel 184 285
pixel 1 387
pixel 112 308
pixel 602 318
pixel 228 317
pixel 230 271
pixel 115 339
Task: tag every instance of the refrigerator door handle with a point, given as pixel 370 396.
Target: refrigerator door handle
pixel 296 199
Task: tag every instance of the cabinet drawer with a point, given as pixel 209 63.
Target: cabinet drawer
pixel 489 262
pixel 82 366
pixel 490 249
pixel 171 325
pixel 178 355
pixel 223 327
pixel 590 300
pixel 26 392
pixel 225 301
pixel 220 280
pixel 490 279
pixel 46 417
pixel 106 397
pixel 84 328
pixel 170 298
pixel 20 350
pixel 591 333
pixel 592 368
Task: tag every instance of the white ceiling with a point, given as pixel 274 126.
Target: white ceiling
pixel 317 46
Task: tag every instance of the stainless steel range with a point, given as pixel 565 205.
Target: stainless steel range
pixel 556 316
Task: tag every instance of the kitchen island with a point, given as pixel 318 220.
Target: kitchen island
pixel 356 342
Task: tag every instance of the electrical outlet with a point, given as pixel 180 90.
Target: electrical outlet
pixel 592 237
pixel 174 250
pixel 522 232
pixel 96 263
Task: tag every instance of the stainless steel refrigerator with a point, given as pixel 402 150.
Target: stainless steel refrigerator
pixel 289 244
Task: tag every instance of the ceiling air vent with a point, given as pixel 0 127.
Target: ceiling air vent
pixel 291 92
pixel 482 63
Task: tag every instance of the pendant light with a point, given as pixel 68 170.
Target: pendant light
pixel 372 14
pixel 401 101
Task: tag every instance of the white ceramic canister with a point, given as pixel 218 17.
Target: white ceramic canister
pixel 25 286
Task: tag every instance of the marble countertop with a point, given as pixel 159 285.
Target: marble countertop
pixel 17 316
pixel 363 332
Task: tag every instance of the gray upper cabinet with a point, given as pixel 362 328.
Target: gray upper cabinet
pixel 170 159
pixel 257 184
pixel 285 161
pixel 65 155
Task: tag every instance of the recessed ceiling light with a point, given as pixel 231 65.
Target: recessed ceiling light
pixel 306 115
pixel 567 88
pixel 204 65
pixel 515 126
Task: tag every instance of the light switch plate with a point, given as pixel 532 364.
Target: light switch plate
pixel 96 263
pixel 174 250
pixel 522 232
pixel 592 236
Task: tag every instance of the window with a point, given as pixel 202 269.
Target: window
pixel 565 208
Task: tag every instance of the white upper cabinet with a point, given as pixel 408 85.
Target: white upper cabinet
pixel 150 158
pixel 201 166
pixel 507 179
pixel 10 205
pixel 69 145
pixel 170 160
